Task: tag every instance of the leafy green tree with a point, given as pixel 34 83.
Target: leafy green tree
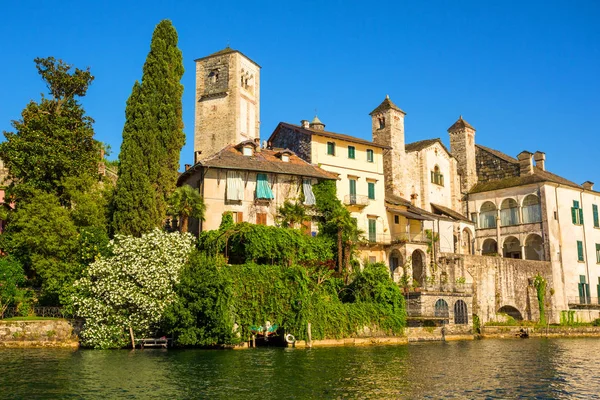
pixel 292 214
pixel 186 203
pixel 152 138
pixel 12 280
pixel 53 140
pixel 41 234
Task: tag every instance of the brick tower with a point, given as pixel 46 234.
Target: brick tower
pixel 462 147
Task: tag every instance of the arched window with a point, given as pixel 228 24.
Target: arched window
pixel 532 211
pixel 437 177
pixel 487 215
pixel 441 309
pixel 511 247
pixel 509 213
pixel 489 248
pixel 466 242
pixel 213 76
pixel 460 313
pixel 381 122
pixel 534 248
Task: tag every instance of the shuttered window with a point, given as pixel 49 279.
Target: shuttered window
pixel 371 190
pixel 596 220
pixel 584 290
pixel 351 152
pixel 261 218
pixel 331 148
pixel 372 230
pixel 580 250
pixel 369 155
pixel 576 213
pixel 598 255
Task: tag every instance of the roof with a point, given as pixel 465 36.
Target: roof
pixel 411 212
pixel 261 161
pixel 333 135
pixel 386 104
pixel 423 144
pixel 448 212
pixel 460 124
pixel 539 175
pixel 226 50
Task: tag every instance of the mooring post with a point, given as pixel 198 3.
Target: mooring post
pixel 309 333
pixel 253 340
pixel 132 339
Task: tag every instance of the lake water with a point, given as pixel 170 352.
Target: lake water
pixel 529 368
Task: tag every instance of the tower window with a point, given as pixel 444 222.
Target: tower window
pixel 213 76
pixel 381 122
pixel 437 177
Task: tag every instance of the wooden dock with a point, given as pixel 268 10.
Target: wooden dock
pixel 154 342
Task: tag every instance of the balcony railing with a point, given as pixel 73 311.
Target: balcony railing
pixel 446 287
pixel 400 238
pixel 356 200
pixel 584 302
pixel 52 312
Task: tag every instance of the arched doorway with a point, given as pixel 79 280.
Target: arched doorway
pixel 534 247
pixel 460 313
pixel 511 248
pixel 418 266
pixel 441 309
pixel 512 312
pixel 466 242
pixel 489 247
pixel 396 264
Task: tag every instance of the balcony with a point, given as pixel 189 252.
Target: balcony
pixel 356 200
pixel 584 303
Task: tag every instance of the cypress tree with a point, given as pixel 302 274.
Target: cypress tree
pixel 152 138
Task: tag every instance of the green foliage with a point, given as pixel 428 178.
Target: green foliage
pixel 596 322
pixel 540 286
pixel 53 140
pixel 476 324
pixel 12 281
pixel 219 303
pixel 291 215
pixel 567 318
pixel 152 138
pixel 185 203
pixel 42 236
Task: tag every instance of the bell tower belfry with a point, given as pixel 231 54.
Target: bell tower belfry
pixel 227 101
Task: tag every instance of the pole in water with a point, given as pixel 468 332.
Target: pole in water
pixel 309 334
pixel 254 341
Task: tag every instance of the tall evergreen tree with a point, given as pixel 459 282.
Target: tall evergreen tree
pixel 152 138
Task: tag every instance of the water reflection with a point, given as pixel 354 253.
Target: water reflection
pixel 494 369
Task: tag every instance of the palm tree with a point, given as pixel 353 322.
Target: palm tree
pixel 186 202
pixel 292 214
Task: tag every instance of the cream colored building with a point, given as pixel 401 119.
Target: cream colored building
pixel 252 183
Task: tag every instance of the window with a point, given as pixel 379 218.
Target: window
pixel 595 211
pixel 576 213
pixel 437 177
pixel 580 251
pixel 235 186
pixel 238 216
pixel 598 254
pixel 352 188
pixel 460 313
pixel 372 230
pixel 372 259
pixel 247 151
pixel 370 155
pixel 441 309
pixel 263 190
pixel 487 215
pixel 381 121
pixel 309 196
pixel 371 190
pixel 584 290
pixel 351 152
pixel 396 219
pixel 509 213
pixel 474 218
pixel 261 218
pixel 331 148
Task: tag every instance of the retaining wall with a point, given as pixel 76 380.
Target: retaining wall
pixel 41 333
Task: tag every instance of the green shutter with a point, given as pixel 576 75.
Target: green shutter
pixel 574 215
pixel 596 220
pixel 580 251
pixel 575 204
pixel 581 216
pixel 371 190
pixel 351 152
pixel 370 155
pixel 352 187
pixel 331 148
pixel 372 230
pixel 598 255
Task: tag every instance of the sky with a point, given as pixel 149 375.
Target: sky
pixel 525 74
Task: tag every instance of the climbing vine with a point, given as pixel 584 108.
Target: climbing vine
pixel 539 283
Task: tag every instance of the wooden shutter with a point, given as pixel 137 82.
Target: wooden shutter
pixel 371 190
pixel 581 216
pixel 261 218
pixel 574 215
pixel 306 227
pixel 580 250
pixel 595 211
pixel 240 217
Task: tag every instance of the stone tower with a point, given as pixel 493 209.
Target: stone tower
pixel 388 129
pixel 462 147
pixel 227 101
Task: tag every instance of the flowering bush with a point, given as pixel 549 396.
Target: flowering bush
pixel 130 288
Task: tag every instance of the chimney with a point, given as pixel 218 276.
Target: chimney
pixel 304 123
pixel 188 166
pixel 525 163
pixel 587 185
pixel 540 160
pixel 257 143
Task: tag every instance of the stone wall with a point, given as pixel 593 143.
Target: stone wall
pixel 42 333
pixel 299 143
pixel 490 167
pixel 500 282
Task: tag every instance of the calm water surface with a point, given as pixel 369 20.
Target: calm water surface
pixel 493 369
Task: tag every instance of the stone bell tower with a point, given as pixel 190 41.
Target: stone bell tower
pixel 387 122
pixel 462 147
pixel 227 101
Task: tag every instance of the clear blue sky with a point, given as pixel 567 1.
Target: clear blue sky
pixel 525 74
